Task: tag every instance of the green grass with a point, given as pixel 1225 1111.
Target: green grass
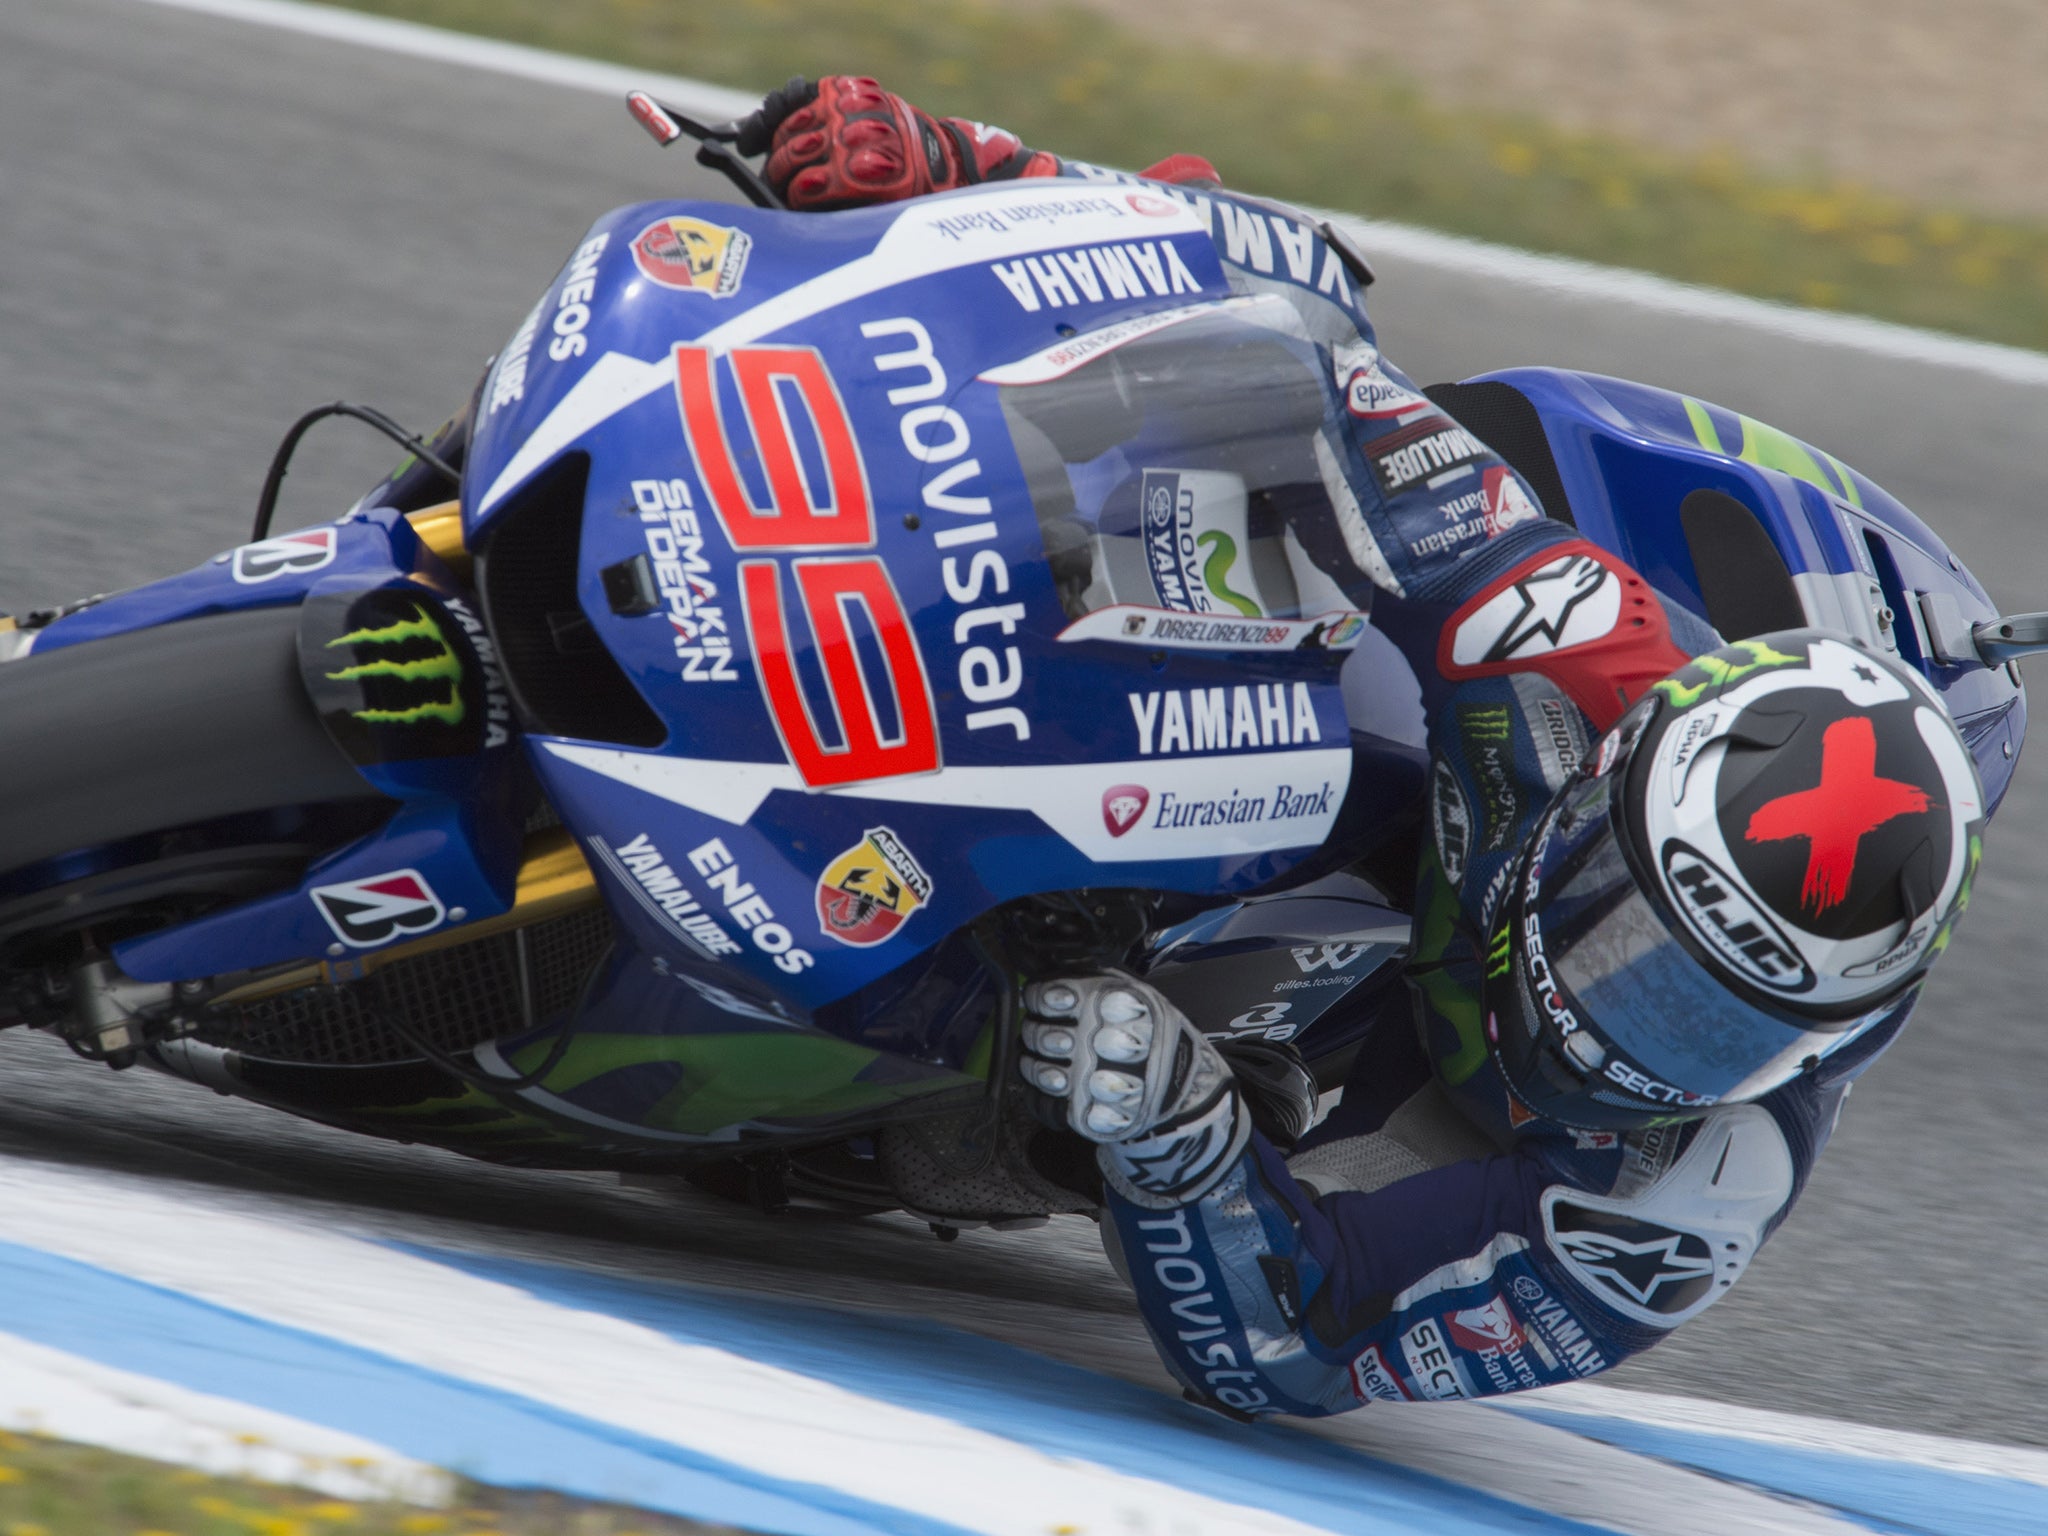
pixel 1075 83
pixel 50 1488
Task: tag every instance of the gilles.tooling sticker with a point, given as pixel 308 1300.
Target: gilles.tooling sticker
pixel 871 890
pixel 693 255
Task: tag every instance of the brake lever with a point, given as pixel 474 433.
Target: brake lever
pixel 665 125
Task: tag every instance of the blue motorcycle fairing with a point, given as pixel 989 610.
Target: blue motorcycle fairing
pixel 363 547
pixel 454 836
pixel 784 865
pixel 1629 454
pixel 930 737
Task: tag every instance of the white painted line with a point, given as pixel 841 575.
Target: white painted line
pixel 305 1275
pixel 1556 276
pixel 1569 1476
pixel 699 98
pixel 1564 277
pixel 47 1392
pixel 273 1260
pixel 1792 1431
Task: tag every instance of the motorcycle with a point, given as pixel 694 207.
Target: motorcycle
pixel 813 626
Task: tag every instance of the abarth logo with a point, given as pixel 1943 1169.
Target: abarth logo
pixel 871 890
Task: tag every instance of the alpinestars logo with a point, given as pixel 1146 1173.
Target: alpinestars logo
pixel 1654 1268
pixel 367 913
pixel 415 656
pixel 1547 600
pixel 291 553
pixel 1568 601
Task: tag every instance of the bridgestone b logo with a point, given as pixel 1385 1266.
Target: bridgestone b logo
pixel 414 672
pixel 366 913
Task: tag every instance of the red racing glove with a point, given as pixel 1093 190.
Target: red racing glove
pixel 846 143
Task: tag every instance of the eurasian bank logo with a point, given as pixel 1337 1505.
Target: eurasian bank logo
pixel 408 672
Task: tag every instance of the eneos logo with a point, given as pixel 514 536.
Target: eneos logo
pixel 871 890
pixel 693 255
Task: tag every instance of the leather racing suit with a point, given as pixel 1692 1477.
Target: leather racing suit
pixel 1430 1239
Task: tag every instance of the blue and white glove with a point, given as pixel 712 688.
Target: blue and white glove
pixel 1135 1077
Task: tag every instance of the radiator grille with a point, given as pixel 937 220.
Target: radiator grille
pixel 454 999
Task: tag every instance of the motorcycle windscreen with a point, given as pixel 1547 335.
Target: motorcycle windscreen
pixel 1180 471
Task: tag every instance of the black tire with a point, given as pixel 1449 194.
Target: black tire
pixel 163 728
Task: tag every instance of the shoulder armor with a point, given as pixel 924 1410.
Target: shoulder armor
pixel 1667 1250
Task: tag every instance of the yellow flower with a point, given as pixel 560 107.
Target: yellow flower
pixel 1886 250
pixel 1820 215
pixel 1615 192
pixel 1819 295
pixel 1516 158
pixel 9 1475
pixel 1942 228
pixel 1975 269
pixel 423 1525
pixel 26 1529
pixel 333 1510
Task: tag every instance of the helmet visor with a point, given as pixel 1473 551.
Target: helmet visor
pixel 1618 1019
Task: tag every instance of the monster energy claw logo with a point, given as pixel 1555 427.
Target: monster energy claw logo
pixel 1717 668
pixel 416 657
pixel 1499 955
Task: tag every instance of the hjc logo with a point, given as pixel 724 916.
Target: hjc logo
pixel 1122 805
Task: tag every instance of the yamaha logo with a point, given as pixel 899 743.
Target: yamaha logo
pixel 1733 927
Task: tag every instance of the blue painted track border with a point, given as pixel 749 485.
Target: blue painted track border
pixel 1885 1495
pixel 492 1436
pixel 1059 1409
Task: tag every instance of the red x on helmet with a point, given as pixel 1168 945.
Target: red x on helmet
pixel 1762 858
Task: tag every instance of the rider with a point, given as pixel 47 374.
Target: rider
pixel 1675 896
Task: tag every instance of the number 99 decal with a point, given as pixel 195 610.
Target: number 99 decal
pixel 771 380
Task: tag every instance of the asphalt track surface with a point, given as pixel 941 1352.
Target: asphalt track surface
pixel 207 227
